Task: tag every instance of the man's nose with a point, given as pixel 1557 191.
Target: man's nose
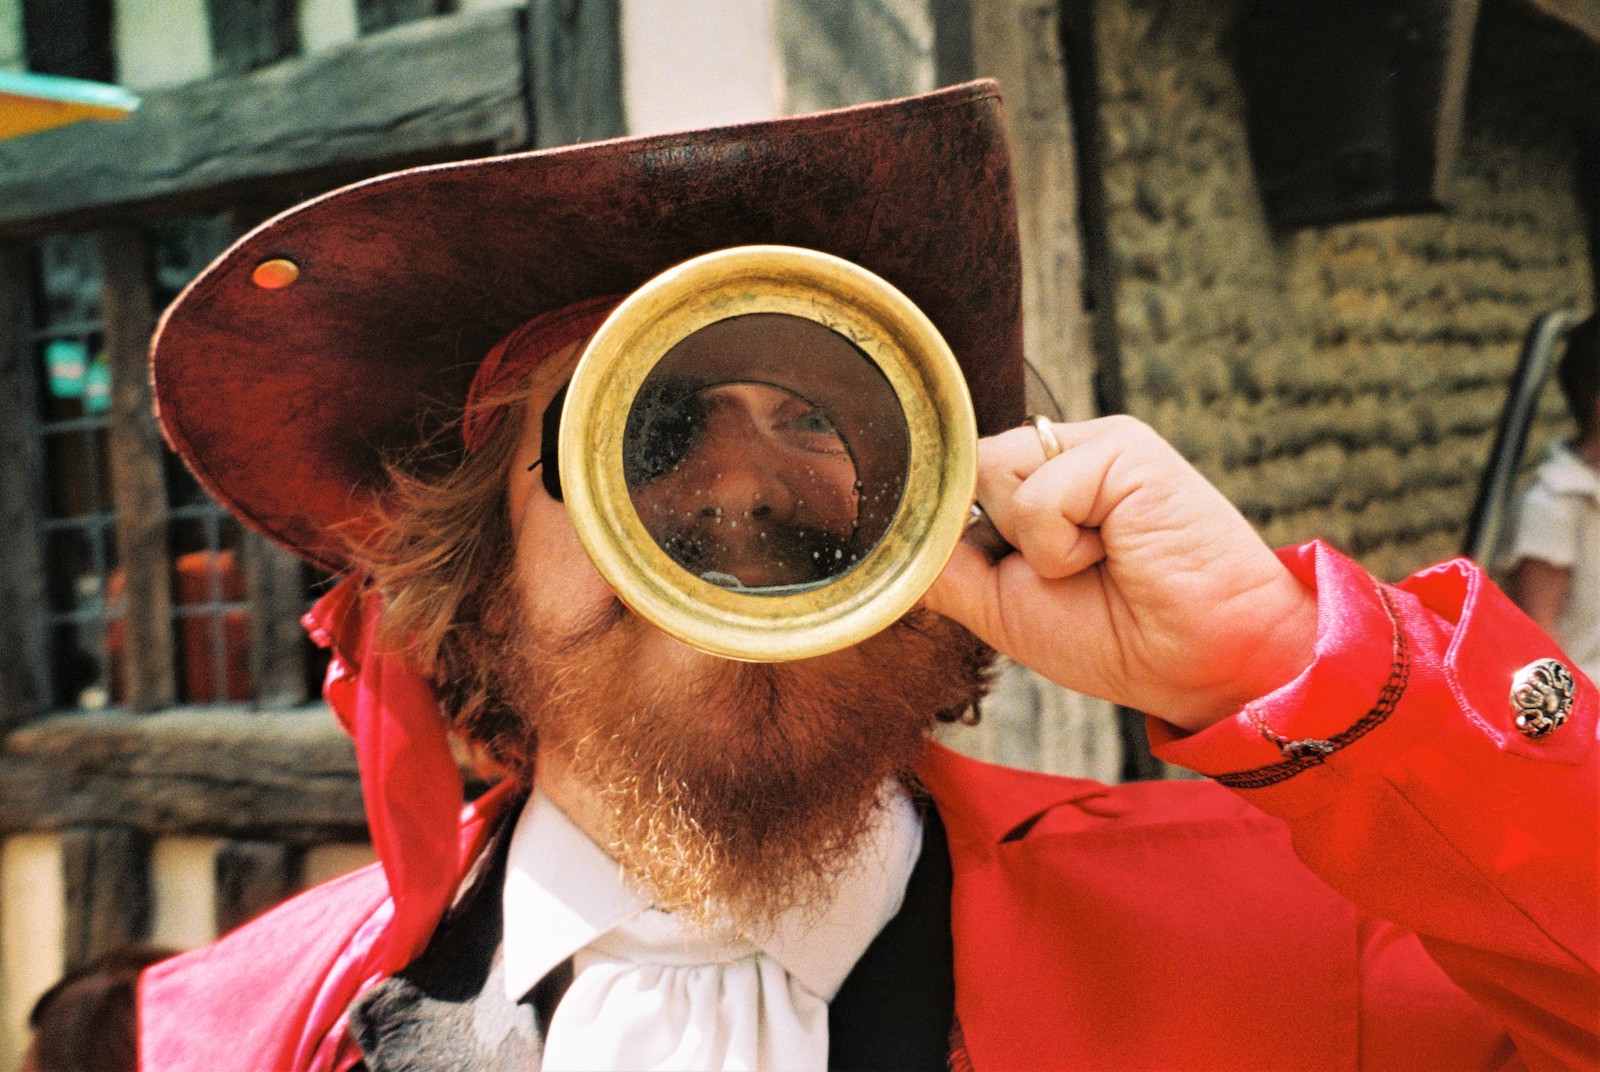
pixel 741 487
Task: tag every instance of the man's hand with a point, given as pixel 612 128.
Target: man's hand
pixel 1134 579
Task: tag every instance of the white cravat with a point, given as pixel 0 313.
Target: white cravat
pixel 649 992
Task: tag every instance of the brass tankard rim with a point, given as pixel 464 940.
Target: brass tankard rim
pixel 885 326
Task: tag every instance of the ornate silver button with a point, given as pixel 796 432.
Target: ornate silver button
pixel 1541 696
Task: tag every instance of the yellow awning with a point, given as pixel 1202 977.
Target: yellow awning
pixel 34 102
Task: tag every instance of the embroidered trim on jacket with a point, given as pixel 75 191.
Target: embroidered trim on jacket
pixel 1303 755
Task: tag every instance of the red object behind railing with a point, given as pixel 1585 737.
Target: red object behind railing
pixel 196 631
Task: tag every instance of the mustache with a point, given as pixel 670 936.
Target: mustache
pixel 608 617
pixel 792 554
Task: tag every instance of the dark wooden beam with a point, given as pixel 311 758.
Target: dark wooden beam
pixel 227 773
pixel 251 877
pixel 24 678
pixel 1551 46
pixel 432 90
pixel 277 642
pixel 955 57
pixel 1080 53
pixel 575 70
pixel 1019 43
pixel 1580 15
pixel 137 480
pixel 107 878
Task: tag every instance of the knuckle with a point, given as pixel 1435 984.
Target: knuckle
pixel 1130 426
pixel 1049 561
pixel 1032 503
pixel 1046 543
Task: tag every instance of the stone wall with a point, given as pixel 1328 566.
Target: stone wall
pixel 1337 381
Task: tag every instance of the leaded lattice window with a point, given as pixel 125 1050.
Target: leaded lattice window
pixel 186 609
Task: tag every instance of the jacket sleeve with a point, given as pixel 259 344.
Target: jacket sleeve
pixel 1397 761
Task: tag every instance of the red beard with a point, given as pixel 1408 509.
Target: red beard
pixel 735 791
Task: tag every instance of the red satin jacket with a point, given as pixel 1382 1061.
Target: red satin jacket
pixel 1398 880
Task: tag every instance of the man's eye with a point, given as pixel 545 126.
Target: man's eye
pixel 813 430
pixel 814 420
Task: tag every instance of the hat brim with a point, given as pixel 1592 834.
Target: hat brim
pixel 285 402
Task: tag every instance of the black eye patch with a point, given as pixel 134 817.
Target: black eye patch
pixel 549 445
pixel 670 425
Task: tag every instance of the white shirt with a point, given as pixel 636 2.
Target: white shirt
pixel 649 992
pixel 1559 523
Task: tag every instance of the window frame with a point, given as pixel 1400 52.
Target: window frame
pixel 152 623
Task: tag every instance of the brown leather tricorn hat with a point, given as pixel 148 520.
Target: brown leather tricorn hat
pixel 283 399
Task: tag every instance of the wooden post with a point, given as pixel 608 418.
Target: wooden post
pixel 136 473
pixel 574 59
pixel 953 58
pixel 277 643
pixel 24 677
pixel 1037 723
pixel 252 876
pixel 1018 42
pixel 1080 45
pixel 107 877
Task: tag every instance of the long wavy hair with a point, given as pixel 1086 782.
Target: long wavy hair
pixel 438 548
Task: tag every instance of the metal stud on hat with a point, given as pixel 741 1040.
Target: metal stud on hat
pixel 275 274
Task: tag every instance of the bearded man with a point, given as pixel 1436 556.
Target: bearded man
pixel 697 863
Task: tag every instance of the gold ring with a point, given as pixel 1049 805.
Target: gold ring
pixel 1047 435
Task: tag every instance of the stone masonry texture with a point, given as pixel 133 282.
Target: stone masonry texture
pixel 1341 381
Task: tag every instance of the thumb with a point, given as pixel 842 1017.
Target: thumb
pixel 968 591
